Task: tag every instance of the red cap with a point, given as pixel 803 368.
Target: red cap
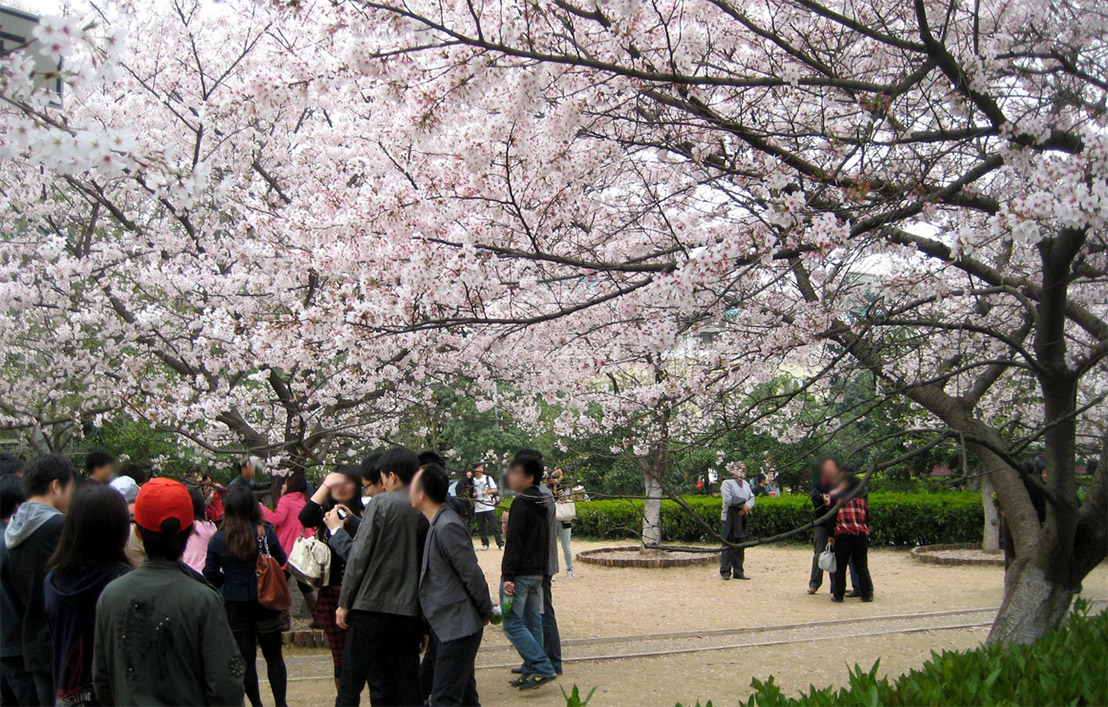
pixel 161 499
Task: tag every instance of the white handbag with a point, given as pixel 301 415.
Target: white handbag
pixel 310 561
pixel 565 511
pixel 827 561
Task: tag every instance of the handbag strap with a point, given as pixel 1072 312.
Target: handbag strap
pixel 263 540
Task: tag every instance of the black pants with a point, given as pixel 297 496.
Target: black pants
pixel 17 685
pixel 382 650
pixel 851 550
pixel 488 518
pixel 454 681
pixel 731 559
pixel 254 626
pixel 819 544
pixel 551 641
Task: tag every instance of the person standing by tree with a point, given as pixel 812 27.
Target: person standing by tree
pixel 162 635
pixel 379 602
pixel 525 562
pixel 248 470
pixel 31 538
pixel 738 500
pixel 285 519
pixel 851 537
pixel 91 553
pixel 99 467
pixel 821 488
pixel 453 592
pixel 485 495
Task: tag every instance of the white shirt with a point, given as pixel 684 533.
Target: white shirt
pixel 484 490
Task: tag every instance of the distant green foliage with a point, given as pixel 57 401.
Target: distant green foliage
pixel 895 518
pixel 1067 666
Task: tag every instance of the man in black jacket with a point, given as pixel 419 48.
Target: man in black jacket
pixel 30 539
pixel 525 563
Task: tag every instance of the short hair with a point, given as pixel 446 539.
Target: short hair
pixel 369 469
pixel 199 509
pixel 833 460
pixel 430 456
pixel 11 494
pixel 95 460
pixel 525 452
pixel 401 461
pixel 11 464
pixel 169 544
pixel 44 471
pixel 245 462
pixel 531 466
pixel 134 471
pixel 434 483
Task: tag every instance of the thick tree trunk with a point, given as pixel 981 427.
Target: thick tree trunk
pixel 1033 604
pixel 990 541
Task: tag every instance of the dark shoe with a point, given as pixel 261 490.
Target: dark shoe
pixel 837 600
pixel 867 599
pixel 813 590
pixel 853 594
pixel 517 671
pixel 740 575
pixel 725 577
pixel 499 547
pixel 535 681
pixel 518 682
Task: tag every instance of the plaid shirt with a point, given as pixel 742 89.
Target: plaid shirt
pixel 852 518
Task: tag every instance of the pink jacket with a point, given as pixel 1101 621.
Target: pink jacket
pixel 286 520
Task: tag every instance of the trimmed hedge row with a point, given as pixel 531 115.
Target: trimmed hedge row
pixel 895 518
pixel 1066 666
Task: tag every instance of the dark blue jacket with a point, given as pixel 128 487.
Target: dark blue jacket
pixel 237 579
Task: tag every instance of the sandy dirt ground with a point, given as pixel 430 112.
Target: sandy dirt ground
pixel 625 602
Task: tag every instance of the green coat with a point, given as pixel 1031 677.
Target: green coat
pixel 162 638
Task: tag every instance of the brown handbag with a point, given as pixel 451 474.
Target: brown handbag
pixel 273 588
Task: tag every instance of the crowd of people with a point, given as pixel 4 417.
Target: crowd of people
pixel 154 591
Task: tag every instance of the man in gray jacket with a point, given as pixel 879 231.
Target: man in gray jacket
pixel 379 600
pixel 452 591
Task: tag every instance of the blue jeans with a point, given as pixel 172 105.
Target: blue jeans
pixel 523 625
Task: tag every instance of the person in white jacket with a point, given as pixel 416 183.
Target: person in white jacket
pixel 738 500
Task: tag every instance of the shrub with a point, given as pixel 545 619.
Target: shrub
pixel 1065 667
pixel 895 518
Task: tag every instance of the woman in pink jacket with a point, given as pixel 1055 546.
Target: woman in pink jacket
pixel 285 519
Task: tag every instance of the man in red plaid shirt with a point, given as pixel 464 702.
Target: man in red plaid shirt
pixel 851 538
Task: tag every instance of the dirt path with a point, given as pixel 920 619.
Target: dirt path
pixel 688 635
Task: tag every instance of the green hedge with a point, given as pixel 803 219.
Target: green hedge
pixel 1065 667
pixel 895 518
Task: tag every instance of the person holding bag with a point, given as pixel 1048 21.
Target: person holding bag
pixel 244 561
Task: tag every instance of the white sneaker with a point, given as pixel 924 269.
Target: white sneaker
pixel 569 574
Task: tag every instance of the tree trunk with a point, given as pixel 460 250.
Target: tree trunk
pixel 652 507
pixel 990 541
pixel 1033 604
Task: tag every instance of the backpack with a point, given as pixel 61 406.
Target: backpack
pixel 310 561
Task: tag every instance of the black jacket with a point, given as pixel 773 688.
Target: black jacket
pixel 527 547
pixel 31 538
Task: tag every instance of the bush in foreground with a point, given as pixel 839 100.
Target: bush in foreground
pixel 895 518
pixel 1067 666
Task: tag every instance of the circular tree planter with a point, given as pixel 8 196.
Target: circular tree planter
pixel 630 556
pixel 958 554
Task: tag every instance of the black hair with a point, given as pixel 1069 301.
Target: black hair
pixel 531 466
pixel 244 462
pixel 135 471
pixel 529 453
pixel 297 483
pixel 95 460
pixel 401 461
pixel 11 464
pixel 434 483
pixel 368 468
pixel 11 494
pixel 95 531
pixel 169 544
pixel 241 518
pixel 355 504
pixel 430 456
pixel 44 471
pixel 198 508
